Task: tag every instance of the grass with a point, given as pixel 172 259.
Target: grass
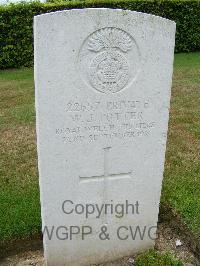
pixel 181 186
pixel 155 258
pixel 19 193
pixel 19 197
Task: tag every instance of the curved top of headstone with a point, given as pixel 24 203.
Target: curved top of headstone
pixel 121 40
pixel 104 10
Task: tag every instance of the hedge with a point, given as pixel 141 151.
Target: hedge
pixel 16 24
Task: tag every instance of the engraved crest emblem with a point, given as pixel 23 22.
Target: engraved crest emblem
pixel 106 55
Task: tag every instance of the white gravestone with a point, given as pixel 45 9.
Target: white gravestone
pixel 103 81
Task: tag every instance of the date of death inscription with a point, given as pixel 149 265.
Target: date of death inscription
pixel 93 120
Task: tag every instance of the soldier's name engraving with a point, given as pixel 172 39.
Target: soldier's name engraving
pixel 89 121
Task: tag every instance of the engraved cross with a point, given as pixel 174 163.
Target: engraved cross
pixel 106 170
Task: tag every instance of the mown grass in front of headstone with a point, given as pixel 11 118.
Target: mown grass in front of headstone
pixel 19 193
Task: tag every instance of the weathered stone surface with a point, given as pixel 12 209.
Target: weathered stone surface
pixel 103 81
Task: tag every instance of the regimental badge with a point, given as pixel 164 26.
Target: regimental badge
pixel 108 51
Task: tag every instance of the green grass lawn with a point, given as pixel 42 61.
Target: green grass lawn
pixel 154 258
pixel 19 192
pixel 181 186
